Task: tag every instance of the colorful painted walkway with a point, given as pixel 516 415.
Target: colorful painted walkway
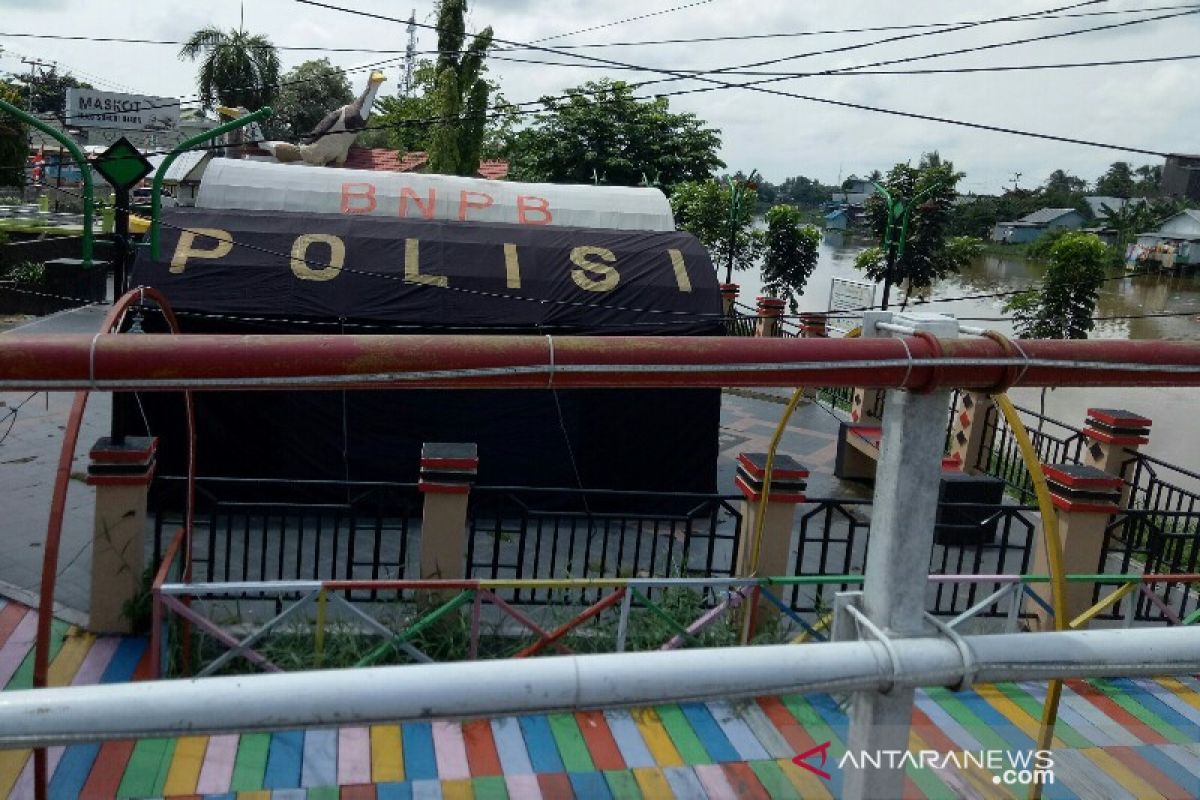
pixel 1116 739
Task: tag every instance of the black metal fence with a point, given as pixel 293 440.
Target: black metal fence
pixel 1055 443
pixel 1153 541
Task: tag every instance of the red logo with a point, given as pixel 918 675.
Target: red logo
pixel 802 760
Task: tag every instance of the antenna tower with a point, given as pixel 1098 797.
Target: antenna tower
pixel 410 54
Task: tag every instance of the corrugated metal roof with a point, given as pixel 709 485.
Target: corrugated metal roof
pixel 1047 215
pixel 182 167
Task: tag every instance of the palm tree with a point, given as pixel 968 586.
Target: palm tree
pixel 238 68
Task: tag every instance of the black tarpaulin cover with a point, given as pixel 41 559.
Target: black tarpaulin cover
pixel 251 271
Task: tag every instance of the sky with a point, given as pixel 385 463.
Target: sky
pixel 1146 106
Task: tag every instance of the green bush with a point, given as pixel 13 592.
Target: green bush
pixel 29 273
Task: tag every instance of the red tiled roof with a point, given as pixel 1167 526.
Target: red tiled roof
pixel 381 159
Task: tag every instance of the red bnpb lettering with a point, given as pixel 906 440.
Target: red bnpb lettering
pixel 358 198
pixel 465 202
pixel 528 204
pixel 425 208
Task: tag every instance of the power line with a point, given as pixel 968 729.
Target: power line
pixel 623 21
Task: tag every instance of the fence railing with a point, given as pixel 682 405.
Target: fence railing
pixel 1055 443
pixel 1159 542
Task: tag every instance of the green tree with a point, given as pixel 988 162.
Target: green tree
pixel 46 92
pixel 1060 182
pixel 460 93
pixel 929 252
pixel 14 141
pixel 600 131
pixel 1064 306
pixel 306 94
pixel 790 252
pixel 702 208
pixel 1118 181
pixel 1149 180
pixel 237 68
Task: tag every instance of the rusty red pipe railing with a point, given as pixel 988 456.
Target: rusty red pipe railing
pixel 157 362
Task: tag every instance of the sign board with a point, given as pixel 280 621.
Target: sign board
pixel 90 108
pixel 122 165
pixel 847 299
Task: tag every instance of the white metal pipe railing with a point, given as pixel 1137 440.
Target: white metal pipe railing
pixel 45 717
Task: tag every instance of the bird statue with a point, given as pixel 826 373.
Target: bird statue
pixel 330 141
pixel 239 142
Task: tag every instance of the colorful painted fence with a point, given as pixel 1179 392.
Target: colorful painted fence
pixel 1116 739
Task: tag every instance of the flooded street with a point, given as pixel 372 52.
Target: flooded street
pixel 1173 438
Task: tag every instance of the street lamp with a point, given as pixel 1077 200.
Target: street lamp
pixel 897 209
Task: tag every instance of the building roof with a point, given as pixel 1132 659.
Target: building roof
pixel 1046 215
pixel 382 159
pixel 182 167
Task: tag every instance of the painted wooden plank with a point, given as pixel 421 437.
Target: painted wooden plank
pixel 254 794
pixel 420 763
pixel 482 756
pixel 450 750
pixel 933 781
pixel 589 785
pixel 523 787
pixel 571 745
pixel 970 781
pixel 284 758
pixel 319 763
pixel 1096 735
pixel 489 787
pixel 628 737
pixel 1110 766
pixel 684 783
pixel 715 747
pixel 251 763
pixel 833 715
pixel 1189 781
pixel 686 742
pixel 996 721
pixel 314 793
pixel 966 716
pixel 357 792
pixel 653 784
pixel 457 788
pixel 401 790
pixel 799 707
pixel 1012 711
pixel 1114 711
pixel 109 767
pixel 1174 726
pixel 510 747
pixel 764 732
pixel 17 646
pixel 426 789
pixel 1185 757
pixel 387 754
pixel 739 734
pixel 150 758
pixel 621 785
pixel 1171 699
pixel 69 659
pixel 943 721
pixel 745 783
pixel 555 785
pixel 98 657
pixel 1182 690
pixel 539 743
pixel 657 740
pixel 788 727
pixel 776 784
pixel 713 779
pixel 807 784
pixel 10 616
pixel 1168 782
pixel 1112 730
pixel 217 770
pixel 600 742
pixel 354 755
pixel 301 794
pixel 184 772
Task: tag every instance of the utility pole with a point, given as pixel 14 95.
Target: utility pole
pixel 1017 180
pixel 410 53
pixel 33 65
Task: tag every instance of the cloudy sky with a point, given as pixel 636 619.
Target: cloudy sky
pixel 1148 106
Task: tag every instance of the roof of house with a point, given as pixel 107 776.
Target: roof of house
pixel 1192 214
pixel 382 159
pixel 1046 216
pixel 181 169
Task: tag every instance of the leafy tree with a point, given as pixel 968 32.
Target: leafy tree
pixel 46 92
pixel 1149 180
pixel 600 131
pixel 14 138
pixel 790 254
pixel 237 68
pixel 1060 182
pixel 930 253
pixel 702 208
pixel 460 93
pixel 1064 306
pixel 1118 181
pixel 306 94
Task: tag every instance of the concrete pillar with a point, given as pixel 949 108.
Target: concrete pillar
pixel 729 294
pixel 866 406
pixel 788 482
pixel 968 436
pixel 447 472
pixel 769 311
pixel 121 474
pixel 1084 499
pixel 1114 436
pixel 814 325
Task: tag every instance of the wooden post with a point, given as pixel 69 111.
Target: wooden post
pixel 789 479
pixel 121 473
pixel 968 436
pixel 447 472
pixel 1114 438
pixel 769 311
pixel 1084 499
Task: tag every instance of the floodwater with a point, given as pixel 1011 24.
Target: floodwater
pixel 1175 435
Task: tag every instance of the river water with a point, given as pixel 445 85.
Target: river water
pixel 1175 435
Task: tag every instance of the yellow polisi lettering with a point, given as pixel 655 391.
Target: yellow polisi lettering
pixel 303 269
pixel 186 248
pixel 681 276
pixel 594 276
pixel 512 266
pixel 412 266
